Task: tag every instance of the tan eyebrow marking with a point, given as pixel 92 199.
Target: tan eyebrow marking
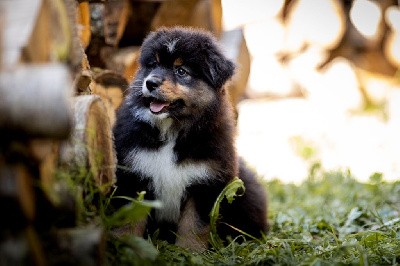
pixel 178 62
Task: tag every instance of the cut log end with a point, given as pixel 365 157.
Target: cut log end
pixel 91 145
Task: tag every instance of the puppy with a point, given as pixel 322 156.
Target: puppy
pixel 174 138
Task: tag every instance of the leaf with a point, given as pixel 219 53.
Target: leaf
pixel 232 190
pixel 229 192
pixel 376 178
pixel 353 215
pixel 135 211
pixel 143 248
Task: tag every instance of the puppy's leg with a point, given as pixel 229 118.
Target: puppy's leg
pixel 192 232
pixel 136 229
pixel 247 213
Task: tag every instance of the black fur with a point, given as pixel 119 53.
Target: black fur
pixel 202 131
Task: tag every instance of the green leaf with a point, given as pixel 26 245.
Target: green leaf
pixel 135 211
pixel 376 178
pixel 354 214
pixel 143 248
pixel 229 192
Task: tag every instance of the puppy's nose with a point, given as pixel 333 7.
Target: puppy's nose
pixel 153 83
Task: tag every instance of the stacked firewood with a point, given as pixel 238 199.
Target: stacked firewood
pixel 65 66
pixel 50 121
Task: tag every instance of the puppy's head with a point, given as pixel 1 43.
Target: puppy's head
pixel 182 73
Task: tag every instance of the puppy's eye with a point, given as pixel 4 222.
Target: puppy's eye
pixel 181 72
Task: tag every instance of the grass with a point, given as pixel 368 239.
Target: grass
pixel 330 219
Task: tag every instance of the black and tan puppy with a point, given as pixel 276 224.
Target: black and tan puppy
pixel 174 138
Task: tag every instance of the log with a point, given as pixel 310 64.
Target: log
pixel 123 61
pixel 2 21
pixel 108 78
pixel 36 252
pixel 392 41
pixel 97 35
pixel 235 46
pixel 44 153
pixel 34 101
pixel 131 68
pixel 111 87
pixel 83 21
pixel 116 16
pixel 51 37
pixel 81 246
pixel 16 195
pixel 19 20
pixel 75 55
pixel 40 31
pixel 83 75
pixel 82 81
pixel 139 23
pixel 22 248
pixel 90 145
pixel 199 13
pixel 216 16
pixel 13 250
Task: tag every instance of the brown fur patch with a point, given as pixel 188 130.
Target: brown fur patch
pixel 171 91
pixel 198 99
pixel 178 62
pixel 136 229
pixel 191 232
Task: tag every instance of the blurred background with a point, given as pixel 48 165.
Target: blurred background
pixel 323 87
pixel 317 81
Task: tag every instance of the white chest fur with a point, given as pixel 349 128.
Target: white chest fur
pixel 169 179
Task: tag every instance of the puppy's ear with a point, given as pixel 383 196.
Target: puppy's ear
pixel 220 69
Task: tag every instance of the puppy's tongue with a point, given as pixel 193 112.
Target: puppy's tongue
pixel 157 106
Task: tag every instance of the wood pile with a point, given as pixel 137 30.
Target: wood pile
pixel 47 125
pixel 65 66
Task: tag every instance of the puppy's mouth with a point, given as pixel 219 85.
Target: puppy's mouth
pixel 158 106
